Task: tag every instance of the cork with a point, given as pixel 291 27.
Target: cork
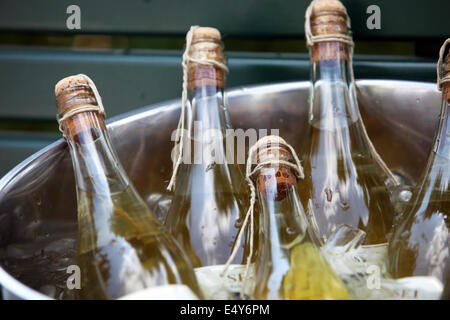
pixel 206 44
pixel 326 6
pixel 278 183
pixel 71 81
pixel 206 33
pixel 72 92
pixel 329 17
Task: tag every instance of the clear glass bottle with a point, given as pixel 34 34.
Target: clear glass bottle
pixel 343 181
pixel 289 263
pixel 420 244
pixel 208 202
pixel 122 248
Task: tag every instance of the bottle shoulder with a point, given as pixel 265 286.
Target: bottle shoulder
pixel 420 244
pixel 431 196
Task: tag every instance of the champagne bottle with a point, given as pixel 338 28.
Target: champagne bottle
pixel 289 264
pixel 122 248
pixel 206 211
pixel 420 245
pixel 344 175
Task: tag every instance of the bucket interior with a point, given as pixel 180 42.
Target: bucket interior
pixel 38 209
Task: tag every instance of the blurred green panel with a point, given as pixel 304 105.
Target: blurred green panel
pixel 17 146
pixel 254 18
pixel 135 79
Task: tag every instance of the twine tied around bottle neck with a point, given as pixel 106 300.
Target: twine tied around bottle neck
pixel 313 39
pixel 249 173
pixel 441 77
pixel 82 107
pixel 187 59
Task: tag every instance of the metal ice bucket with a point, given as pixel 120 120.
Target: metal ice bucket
pixel 37 198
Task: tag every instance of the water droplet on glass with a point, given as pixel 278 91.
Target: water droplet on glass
pixel 210 166
pixel 290 230
pixel 329 194
pixel 344 205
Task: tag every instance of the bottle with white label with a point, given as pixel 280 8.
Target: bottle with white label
pixel 343 174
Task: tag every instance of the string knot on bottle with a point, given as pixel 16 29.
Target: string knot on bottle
pixel 179 139
pixel 338 37
pixel 84 107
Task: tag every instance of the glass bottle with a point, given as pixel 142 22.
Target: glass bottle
pixel 122 248
pixel 420 244
pixel 343 179
pixel 289 264
pixel 207 207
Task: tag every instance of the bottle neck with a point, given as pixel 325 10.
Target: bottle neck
pixel 207 106
pixel 206 85
pixel 283 220
pixel 333 100
pixel 97 168
pixel 208 125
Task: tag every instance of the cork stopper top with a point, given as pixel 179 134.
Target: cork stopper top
pixel 206 46
pixel 276 177
pixel 327 29
pixel 206 33
pixel 272 148
pixel 76 94
pixel 328 17
pixel 72 81
pixel 269 140
pixel 320 7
